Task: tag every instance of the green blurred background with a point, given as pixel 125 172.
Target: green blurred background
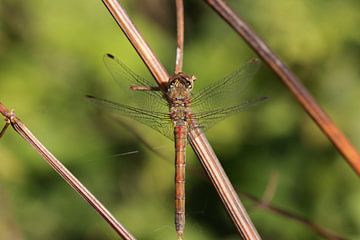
pixel 51 57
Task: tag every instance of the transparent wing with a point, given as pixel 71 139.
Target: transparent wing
pixel 126 78
pixel 147 107
pixel 225 97
pixel 160 121
pixel 207 119
pixel 226 91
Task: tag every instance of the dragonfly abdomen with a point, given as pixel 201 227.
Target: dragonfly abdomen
pixel 180 133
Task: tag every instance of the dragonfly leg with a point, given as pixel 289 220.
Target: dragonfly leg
pixel 144 88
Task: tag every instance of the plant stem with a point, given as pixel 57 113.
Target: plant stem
pixel 144 51
pixel 197 139
pixel 24 132
pixel 291 81
pixel 180 35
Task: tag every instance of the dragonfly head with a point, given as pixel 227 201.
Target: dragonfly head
pixel 180 84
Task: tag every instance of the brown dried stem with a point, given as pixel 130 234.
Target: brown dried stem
pixel 24 132
pixel 270 188
pixel 197 139
pixel 291 81
pixel 144 51
pixel 222 184
pixel 180 35
pixel 321 231
pixel 3 130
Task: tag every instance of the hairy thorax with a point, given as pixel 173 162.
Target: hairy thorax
pixel 179 98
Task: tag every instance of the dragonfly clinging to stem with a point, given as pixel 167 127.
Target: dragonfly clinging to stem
pixel 176 110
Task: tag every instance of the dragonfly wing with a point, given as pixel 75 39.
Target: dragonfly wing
pixel 206 120
pixel 126 78
pixel 147 107
pixel 160 121
pixel 225 97
pixel 226 91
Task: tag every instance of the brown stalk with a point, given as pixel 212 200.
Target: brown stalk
pixel 3 130
pixel 289 215
pixel 180 35
pixel 144 51
pixel 24 132
pixel 197 139
pixel 291 81
pixel 223 186
pixel 271 187
pixel 264 202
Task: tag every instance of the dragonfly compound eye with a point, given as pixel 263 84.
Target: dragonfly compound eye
pixel 188 84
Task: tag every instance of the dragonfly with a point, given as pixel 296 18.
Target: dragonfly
pixel 177 109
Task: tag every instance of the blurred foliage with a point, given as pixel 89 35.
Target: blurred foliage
pixel 51 56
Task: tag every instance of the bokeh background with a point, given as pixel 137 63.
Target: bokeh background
pixel 51 57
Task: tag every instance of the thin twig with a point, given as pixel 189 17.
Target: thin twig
pixel 180 35
pixel 197 139
pixel 270 188
pixel 222 184
pixel 21 129
pixel 144 51
pixel 291 81
pixel 4 128
pixel 289 215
